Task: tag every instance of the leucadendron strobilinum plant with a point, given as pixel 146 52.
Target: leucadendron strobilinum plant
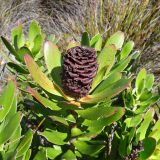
pixel 105 64
pixel 77 93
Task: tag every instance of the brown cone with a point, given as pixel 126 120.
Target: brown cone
pixel 79 69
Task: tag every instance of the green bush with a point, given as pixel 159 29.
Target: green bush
pixel 114 121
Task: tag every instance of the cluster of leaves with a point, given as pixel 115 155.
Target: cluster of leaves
pixel 141 121
pixel 13 145
pixel 65 128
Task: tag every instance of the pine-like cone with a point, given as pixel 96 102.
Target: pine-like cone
pixel 79 68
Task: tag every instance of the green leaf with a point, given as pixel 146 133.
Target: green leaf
pixel 121 65
pixel 9 128
pixel 117 39
pixel 129 148
pixel 44 101
pixel 17 68
pixel 75 132
pixel 71 118
pixel 10 48
pixel 108 92
pixel 16 136
pixel 88 149
pixel 105 60
pixel 98 125
pixel 22 51
pixel 24 144
pixel 12 110
pixel 59 119
pixel 149 81
pixel 140 81
pixel 141 88
pixel 78 154
pixel 126 50
pixel 136 120
pixel 96 42
pixel 149 145
pixel 95 113
pixel 68 155
pixel 34 30
pixel 131 135
pixel 38 41
pixel 141 131
pixel 85 41
pixel 146 95
pixel 18 37
pixel 28 155
pixel 106 57
pixel 17 32
pixel 95 39
pixel 41 155
pixel 10 155
pixel 156 154
pixel 39 76
pixel 98 45
pixel 150 101
pixel 6 99
pixel 155 131
pixel 98 78
pixel 52 57
pixel 123 146
pixel 15 139
pixel 52 153
pixel 54 137
pixel 141 109
pixel 107 82
pixel 15 43
pixel 156 126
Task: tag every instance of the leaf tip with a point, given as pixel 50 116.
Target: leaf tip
pixel 30 90
pixel 26 57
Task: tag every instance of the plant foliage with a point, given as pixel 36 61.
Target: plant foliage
pixel 117 119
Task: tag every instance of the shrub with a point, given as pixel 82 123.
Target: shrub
pixel 111 120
